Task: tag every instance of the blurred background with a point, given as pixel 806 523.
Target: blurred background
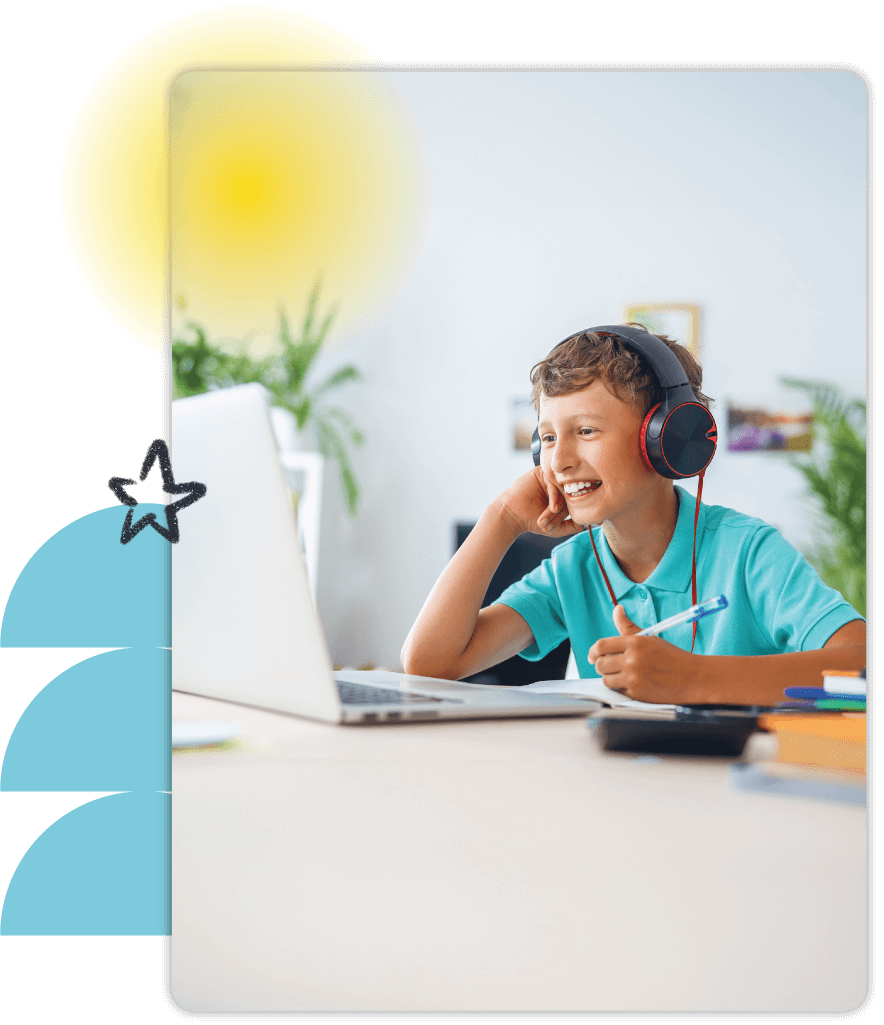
pixel 533 204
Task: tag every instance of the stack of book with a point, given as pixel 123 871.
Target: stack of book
pixel 842 691
pixel 820 752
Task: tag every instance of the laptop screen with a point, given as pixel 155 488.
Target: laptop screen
pixel 244 623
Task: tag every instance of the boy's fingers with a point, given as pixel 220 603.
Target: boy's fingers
pixel 624 624
pixel 553 495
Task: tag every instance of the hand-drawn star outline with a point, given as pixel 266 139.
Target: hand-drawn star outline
pixel 193 489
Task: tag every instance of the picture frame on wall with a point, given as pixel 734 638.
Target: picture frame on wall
pixel 524 420
pixel 680 321
pixel 778 419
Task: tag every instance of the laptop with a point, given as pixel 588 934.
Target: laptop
pixel 245 627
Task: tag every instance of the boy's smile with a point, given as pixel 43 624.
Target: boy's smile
pixel 590 449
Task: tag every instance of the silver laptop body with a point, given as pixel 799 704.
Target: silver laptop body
pixel 244 624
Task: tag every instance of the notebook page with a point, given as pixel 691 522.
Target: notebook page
pixel 594 689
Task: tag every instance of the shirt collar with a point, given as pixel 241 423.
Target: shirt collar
pixel 673 572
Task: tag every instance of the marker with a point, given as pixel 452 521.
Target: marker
pixel 820 694
pixel 828 705
pixel 691 615
pixel 844 681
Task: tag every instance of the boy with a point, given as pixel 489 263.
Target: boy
pixel 592 394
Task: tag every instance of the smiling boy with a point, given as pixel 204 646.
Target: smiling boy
pixel 782 628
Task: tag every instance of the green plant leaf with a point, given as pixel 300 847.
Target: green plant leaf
pixel 310 313
pixel 285 335
pixel 836 479
pixel 200 366
pixel 327 322
pixel 341 376
pixel 356 436
pixel 197 365
pixel 331 446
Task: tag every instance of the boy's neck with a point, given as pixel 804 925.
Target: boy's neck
pixel 638 541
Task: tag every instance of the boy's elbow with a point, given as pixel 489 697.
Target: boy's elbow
pixel 415 664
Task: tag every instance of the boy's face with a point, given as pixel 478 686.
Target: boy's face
pixel 591 437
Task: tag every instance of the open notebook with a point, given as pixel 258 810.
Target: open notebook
pixel 593 690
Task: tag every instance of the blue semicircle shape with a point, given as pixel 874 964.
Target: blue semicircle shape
pixel 103 724
pixel 83 588
pixel 100 870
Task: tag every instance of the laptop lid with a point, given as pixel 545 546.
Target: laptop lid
pixel 244 624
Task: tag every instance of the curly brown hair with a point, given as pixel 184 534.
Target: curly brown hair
pixel 586 357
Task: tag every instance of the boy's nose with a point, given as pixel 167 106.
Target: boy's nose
pixel 562 457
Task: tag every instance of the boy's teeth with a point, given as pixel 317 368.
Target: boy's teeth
pixel 578 486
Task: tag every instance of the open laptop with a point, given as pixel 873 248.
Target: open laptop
pixel 244 624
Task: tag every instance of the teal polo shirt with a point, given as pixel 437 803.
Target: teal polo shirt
pixel 776 601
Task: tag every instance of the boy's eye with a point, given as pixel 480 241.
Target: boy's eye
pixel 546 438
pixel 587 430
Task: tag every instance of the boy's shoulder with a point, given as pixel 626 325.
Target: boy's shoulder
pixel 722 517
pixel 716 518
pixel 572 548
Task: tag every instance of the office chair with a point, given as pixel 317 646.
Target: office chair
pixel 526 553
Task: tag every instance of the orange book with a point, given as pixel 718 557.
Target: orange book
pixel 828 741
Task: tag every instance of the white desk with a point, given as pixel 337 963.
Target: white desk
pixel 500 866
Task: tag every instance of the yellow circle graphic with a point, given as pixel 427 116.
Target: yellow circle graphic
pixel 279 177
pixel 115 170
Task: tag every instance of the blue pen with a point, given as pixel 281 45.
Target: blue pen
pixel 691 615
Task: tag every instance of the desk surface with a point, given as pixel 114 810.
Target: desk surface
pixel 500 866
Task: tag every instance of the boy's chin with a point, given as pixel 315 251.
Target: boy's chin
pixel 584 519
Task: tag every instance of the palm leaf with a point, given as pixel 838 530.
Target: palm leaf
pixel 285 335
pixel 297 361
pixel 836 478
pixel 331 445
pixel 339 377
pixel 310 312
pixel 356 436
pixel 199 366
pixel 327 322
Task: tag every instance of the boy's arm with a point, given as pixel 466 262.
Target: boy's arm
pixel 761 679
pixel 652 669
pixel 454 636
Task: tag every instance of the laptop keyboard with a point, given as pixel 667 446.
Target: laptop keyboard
pixel 368 694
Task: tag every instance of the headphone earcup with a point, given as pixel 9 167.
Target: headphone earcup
pixel 679 442
pixel 642 437
pixel 535 447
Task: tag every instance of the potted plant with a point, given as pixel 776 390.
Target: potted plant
pixel 836 476
pixel 200 366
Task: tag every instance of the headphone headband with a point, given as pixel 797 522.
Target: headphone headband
pixel 667 369
pixel 678 436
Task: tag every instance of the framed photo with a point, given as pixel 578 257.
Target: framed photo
pixel 680 321
pixel 524 420
pixel 753 429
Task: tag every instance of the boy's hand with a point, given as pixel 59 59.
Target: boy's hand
pixel 645 668
pixel 533 502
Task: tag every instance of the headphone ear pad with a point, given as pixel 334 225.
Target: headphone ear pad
pixel 535 447
pixel 642 438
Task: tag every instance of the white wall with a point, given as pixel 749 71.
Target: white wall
pixel 556 199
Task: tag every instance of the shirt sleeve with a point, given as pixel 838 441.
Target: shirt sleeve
pixel 536 598
pixel 793 608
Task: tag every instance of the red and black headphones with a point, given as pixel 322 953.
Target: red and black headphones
pixel 677 437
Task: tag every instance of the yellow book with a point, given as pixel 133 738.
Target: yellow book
pixel 825 740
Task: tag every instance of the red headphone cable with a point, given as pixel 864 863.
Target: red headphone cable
pixel 693 558
pixel 694 555
pixel 601 567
